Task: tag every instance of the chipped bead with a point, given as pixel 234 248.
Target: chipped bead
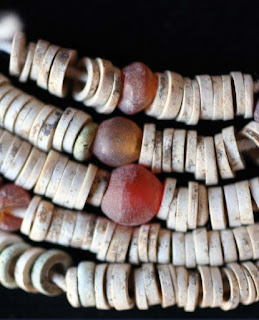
pixel 133 196
pixel 139 88
pixel 117 142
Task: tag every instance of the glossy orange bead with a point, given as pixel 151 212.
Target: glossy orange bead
pixel 117 142
pixel 133 195
pixel 139 88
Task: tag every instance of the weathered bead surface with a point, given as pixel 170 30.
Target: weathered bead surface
pixel 256 112
pixel 117 142
pixel 133 196
pixel 139 88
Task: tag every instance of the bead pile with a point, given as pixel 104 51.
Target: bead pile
pixel 204 262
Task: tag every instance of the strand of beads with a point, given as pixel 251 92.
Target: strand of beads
pixel 106 286
pixel 97 83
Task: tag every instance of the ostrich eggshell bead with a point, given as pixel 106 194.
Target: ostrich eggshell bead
pixel 117 142
pixel 133 196
pixel 139 88
pixel 256 112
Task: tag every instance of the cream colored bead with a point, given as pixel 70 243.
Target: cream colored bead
pixel 232 205
pixel 29 215
pixel 174 96
pixel 178 248
pixel 22 271
pixel 148 144
pixel 190 257
pixel 187 103
pixel 206 92
pixel 109 285
pixel 67 227
pixel 164 246
pixel 23 114
pixel 11 154
pixel 244 202
pixel 170 222
pixel 238 271
pixel 4 89
pixel 106 240
pixel 71 280
pixel 40 50
pixel 192 292
pixel 251 131
pixel 100 295
pixel 151 285
pixel 182 284
pixel 133 250
pixel 143 242
pixel 200 169
pixel 181 219
pixel 88 237
pixel 42 220
pixel 81 93
pixel 43 267
pixel 207 287
pixel 193 205
pixel 217 287
pixel 191 151
pixel 140 294
pixel 253 231
pixel 57 83
pixel 105 85
pixel 167 288
pixel 55 226
pixel 218 113
pixel 210 161
pixel 239 91
pixel 196 109
pixel 233 154
pixel 46 173
pixel 5 103
pixel 46 65
pixel 17 54
pixel 38 123
pixel 243 242
pixel 8 259
pixel 168 194
pixel 156 108
pixel 86 272
pixel 254 273
pixel 157 154
pixel 154 242
pixel 201 246
pixel 251 288
pixel 225 169
pixel 228 246
pixel 233 300
pixel 6 141
pixel 56 176
pixel 215 250
pixel 249 95
pixel 46 134
pixel 178 150
pixel 99 230
pixel 168 135
pixel 98 188
pixel 228 106
pixel 7 239
pixel 216 208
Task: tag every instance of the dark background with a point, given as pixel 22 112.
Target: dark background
pixel 190 37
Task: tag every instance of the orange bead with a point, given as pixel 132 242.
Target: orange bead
pixel 139 88
pixel 133 196
pixel 117 142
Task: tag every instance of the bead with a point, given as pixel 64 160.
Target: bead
pixel 117 142
pixel 256 112
pixel 139 88
pixel 133 196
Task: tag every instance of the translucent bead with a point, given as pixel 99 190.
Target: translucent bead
pixel 139 88
pixel 133 196
pixel 117 142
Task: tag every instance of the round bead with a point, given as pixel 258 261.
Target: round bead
pixel 139 88
pixel 117 142
pixel 133 196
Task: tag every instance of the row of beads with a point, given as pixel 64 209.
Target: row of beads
pixel 45 126
pixel 163 95
pixel 108 286
pixel 192 207
pixel 147 243
pixel 178 150
pixel 66 182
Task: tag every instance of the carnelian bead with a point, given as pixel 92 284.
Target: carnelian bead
pixel 139 88
pixel 117 142
pixel 133 195
pixel 13 200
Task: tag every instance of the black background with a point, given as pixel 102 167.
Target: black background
pixel 190 37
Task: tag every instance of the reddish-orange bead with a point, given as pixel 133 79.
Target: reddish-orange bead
pixel 139 88
pixel 133 196
pixel 117 142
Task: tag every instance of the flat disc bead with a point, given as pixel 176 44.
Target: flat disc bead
pixel 139 88
pixel 117 142
pixel 133 196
